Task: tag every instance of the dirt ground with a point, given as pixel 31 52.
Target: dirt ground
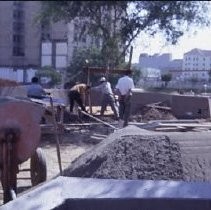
pixel 75 142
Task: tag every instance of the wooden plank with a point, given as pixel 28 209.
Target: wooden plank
pixel 159 107
pixel 100 70
pixel 57 136
pixel 95 118
pixel 178 121
pixel 208 125
pixel 170 129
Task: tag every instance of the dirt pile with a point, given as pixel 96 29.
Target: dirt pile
pixel 152 113
pixel 8 83
pixel 126 154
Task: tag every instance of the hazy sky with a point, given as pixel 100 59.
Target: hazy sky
pixel 145 44
pixel 201 40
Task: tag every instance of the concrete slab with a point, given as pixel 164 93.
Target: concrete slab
pixel 88 193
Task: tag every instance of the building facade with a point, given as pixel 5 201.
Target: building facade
pixel 26 45
pixel 197 64
pixel 155 61
pixel 197 59
pixel 19 41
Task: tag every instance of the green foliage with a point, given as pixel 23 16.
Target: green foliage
pixel 166 78
pixel 76 71
pixel 52 74
pixel 81 59
pixel 118 23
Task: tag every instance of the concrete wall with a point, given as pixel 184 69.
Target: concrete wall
pixel 183 107
pixel 139 99
pixel 191 107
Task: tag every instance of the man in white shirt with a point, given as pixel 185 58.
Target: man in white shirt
pixel 124 86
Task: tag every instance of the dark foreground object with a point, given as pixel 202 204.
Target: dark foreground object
pixel 87 193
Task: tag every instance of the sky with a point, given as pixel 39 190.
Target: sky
pixel 201 39
pixel 144 44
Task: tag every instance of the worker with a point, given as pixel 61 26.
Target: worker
pixel 123 88
pixel 77 94
pixel 35 90
pixel 107 97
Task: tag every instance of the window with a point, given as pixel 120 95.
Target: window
pixel 18 14
pixel 18 51
pixel 18 3
pixel 83 38
pixel 75 37
pixel 18 39
pixel 18 27
pixel 75 51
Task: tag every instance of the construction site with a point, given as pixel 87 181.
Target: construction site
pixel 161 160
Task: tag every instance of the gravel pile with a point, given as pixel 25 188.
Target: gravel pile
pixel 130 153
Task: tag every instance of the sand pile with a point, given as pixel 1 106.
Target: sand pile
pixel 130 153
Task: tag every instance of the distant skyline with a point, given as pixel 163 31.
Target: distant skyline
pixel 145 44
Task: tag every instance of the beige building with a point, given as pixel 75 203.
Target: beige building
pixel 26 45
pixel 21 40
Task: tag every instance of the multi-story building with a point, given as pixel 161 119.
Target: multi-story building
pixel 197 64
pixel 19 41
pixel 155 61
pixel 197 59
pixel 26 45
pixel 22 40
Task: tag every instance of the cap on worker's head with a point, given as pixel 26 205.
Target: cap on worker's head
pixel 102 79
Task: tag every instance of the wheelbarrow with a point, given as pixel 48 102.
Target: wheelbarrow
pixel 19 139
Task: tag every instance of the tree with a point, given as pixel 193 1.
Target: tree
pixel 166 78
pixel 118 23
pixel 47 72
pixel 81 59
pixel 136 75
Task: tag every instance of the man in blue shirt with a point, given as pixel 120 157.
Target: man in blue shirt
pixel 35 90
